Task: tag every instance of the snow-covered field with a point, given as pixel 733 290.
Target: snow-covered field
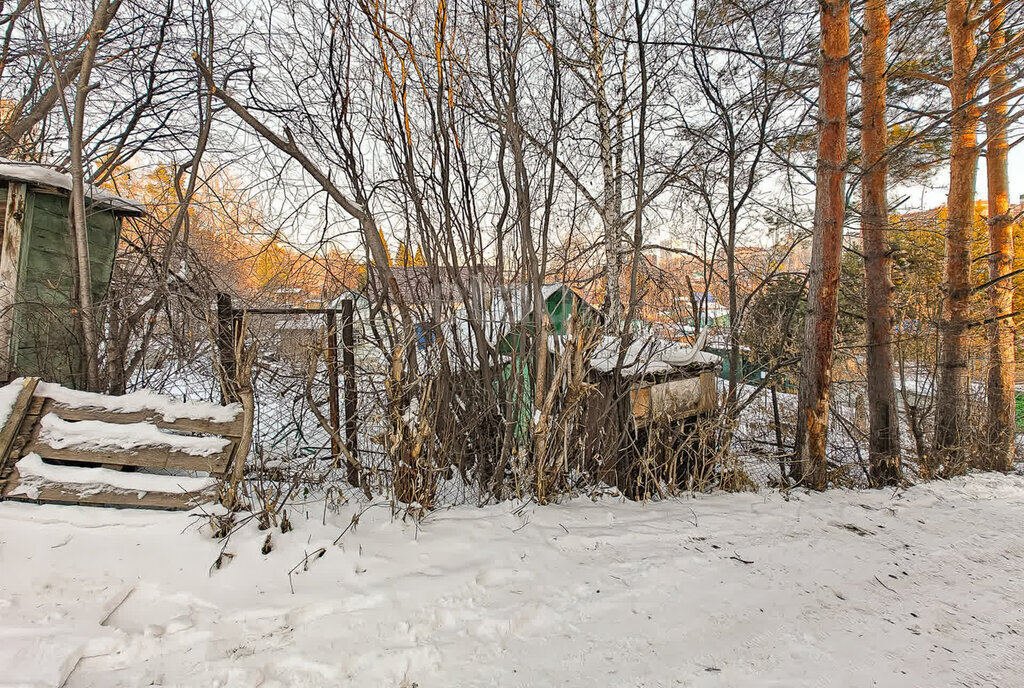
pixel 918 588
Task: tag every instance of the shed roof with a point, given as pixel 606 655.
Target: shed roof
pixel 646 355
pixel 518 305
pixel 47 177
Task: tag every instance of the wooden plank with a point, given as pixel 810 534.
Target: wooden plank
pixel 675 399
pixel 12 428
pixel 708 391
pixel 230 452
pixel 203 426
pixel 18 412
pixel 29 426
pixel 10 260
pixel 641 402
pixel 21 438
pixel 150 500
pixel 143 457
pixel 28 429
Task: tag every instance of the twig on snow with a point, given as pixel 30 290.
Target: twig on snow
pixel 886 586
pixel 737 557
pixel 305 565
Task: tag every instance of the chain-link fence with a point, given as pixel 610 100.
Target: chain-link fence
pixel 458 431
pixel 425 422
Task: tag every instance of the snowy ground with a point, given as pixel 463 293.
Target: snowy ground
pixel 920 588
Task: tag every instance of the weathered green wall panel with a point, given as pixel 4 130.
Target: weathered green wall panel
pixel 45 338
pixel 560 308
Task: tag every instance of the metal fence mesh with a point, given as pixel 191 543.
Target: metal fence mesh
pixel 451 436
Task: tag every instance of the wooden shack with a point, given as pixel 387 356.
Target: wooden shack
pixel 650 401
pixel 37 268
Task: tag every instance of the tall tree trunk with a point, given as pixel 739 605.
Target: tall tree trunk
pixel 1001 363
pixel 809 464
pixel 86 309
pixel 611 198
pixel 884 444
pixel 952 387
pixel 732 280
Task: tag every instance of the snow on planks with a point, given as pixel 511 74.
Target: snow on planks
pixel 68 447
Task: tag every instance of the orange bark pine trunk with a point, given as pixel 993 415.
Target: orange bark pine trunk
pixel 884 444
pixel 809 465
pixel 952 387
pixel 1001 356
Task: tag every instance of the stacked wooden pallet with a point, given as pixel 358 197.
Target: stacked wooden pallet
pixel 141 450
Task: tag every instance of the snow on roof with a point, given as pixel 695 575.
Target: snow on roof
pixel 646 355
pixel 357 297
pixel 520 301
pixel 650 355
pixel 421 285
pixel 41 175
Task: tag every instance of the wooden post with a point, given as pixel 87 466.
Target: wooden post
pixel 783 452
pixel 226 340
pixel 349 363
pixel 241 450
pixel 10 256
pixel 776 416
pixel 331 358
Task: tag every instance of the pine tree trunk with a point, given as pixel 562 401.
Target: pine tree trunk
pixel 1001 363
pixel 884 444
pixel 952 387
pixel 809 464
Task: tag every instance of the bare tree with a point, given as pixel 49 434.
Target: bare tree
pixel 103 15
pixel 747 77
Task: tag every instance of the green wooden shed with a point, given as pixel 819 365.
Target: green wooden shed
pixel 561 304
pixel 37 277
pixel 512 322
